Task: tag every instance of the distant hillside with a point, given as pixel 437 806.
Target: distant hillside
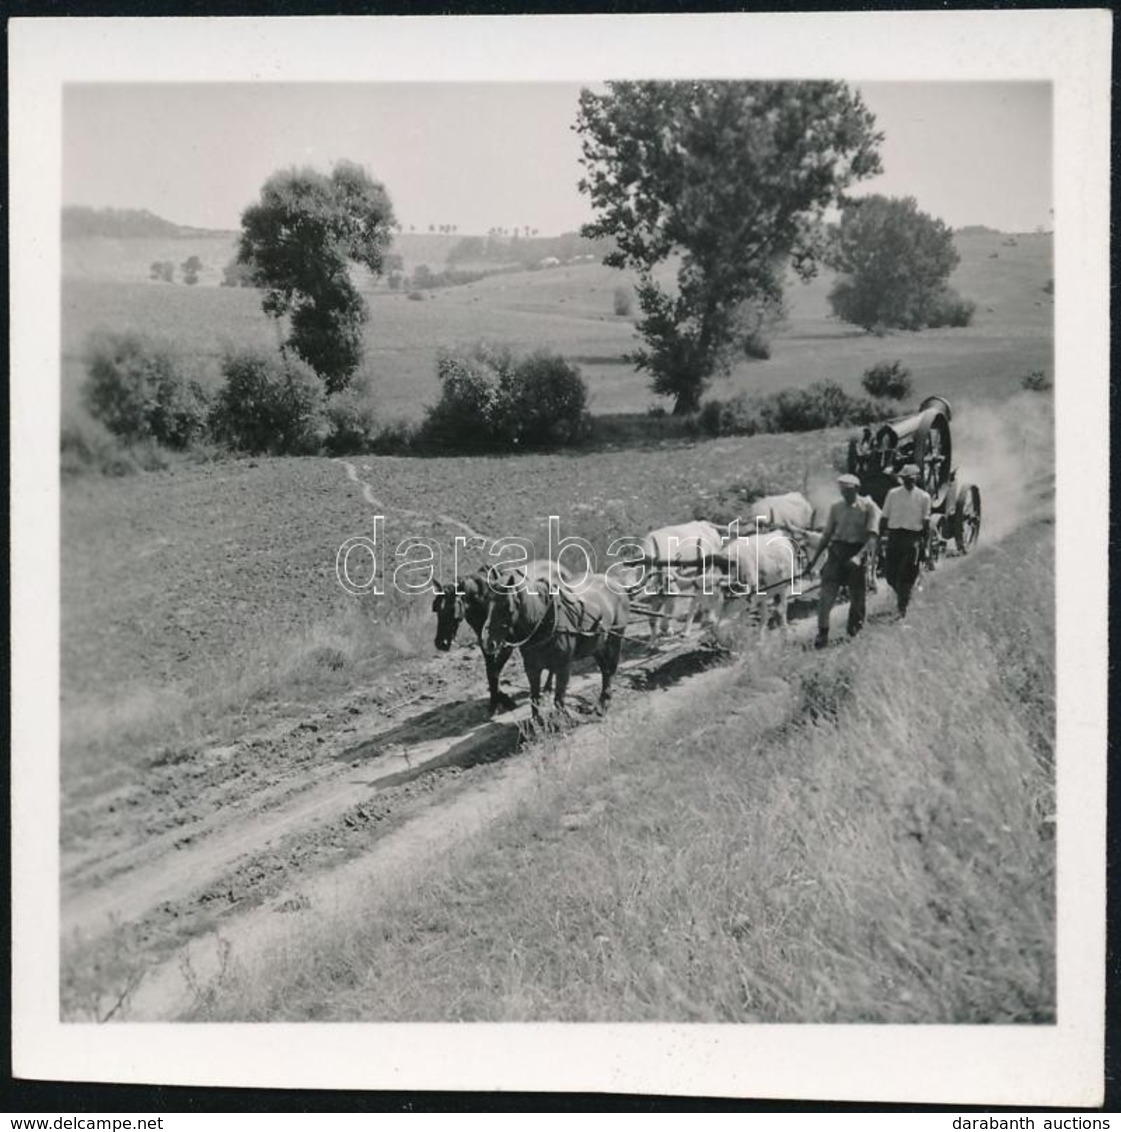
pixel 80 222
pixel 529 252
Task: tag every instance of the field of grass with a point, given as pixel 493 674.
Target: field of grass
pixel 823 839
pixel 569 310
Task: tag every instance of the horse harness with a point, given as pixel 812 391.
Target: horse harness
pixel 551 606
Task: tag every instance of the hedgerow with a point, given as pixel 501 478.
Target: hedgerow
pixel 822 405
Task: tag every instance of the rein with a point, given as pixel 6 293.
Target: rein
pixel 549 605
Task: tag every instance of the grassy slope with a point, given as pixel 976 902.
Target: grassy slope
pixel 569 309
pixel 882 854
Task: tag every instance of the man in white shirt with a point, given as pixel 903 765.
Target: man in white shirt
pixel 906 518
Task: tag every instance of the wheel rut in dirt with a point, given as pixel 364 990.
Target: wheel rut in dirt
pixel 217 831
pixel 401 855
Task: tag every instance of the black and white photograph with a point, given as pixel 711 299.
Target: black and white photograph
pixel 527 526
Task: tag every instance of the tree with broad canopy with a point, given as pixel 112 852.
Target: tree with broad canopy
pixel 894 263
pixel 297 242
pixel 733 179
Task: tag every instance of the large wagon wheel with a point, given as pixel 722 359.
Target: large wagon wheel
pixel 967 519
pixel 931 458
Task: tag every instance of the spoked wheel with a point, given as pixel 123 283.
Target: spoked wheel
pixel 967 520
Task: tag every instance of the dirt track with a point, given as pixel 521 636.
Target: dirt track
pixel 212 839
pixel 235 842
pixel 208 845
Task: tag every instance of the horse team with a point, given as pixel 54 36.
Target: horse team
pixel 554 619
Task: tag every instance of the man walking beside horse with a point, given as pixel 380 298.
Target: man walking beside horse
pixel 849 535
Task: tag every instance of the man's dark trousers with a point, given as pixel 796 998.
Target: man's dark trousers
pixel 839 571
pixel 901 565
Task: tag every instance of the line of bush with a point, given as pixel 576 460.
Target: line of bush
pixel 825 404
pixel 146 403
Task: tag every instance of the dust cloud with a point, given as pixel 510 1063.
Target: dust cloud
pixel 1007 450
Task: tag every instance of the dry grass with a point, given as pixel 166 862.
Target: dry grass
pixel 859 836
pixel 277 675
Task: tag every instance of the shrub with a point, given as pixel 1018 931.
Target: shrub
pixel 237 274
pixel 416 296
pixel 543 402
pixel 467 416
pixel 950 309
pixel 397 438
pixel 352 424
pixel 757 347
pixel 738 416
pixel 135 387
pixel 889 380
pixel 623 302
pixel 87 446
pixel 823 405
pixel 1036 381
pixel 492 401
pixel 269 403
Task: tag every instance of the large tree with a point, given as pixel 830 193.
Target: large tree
pixel 733 179
pixel 894 263
pixel 297 242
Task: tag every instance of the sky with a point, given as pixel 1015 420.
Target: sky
pixel 502 154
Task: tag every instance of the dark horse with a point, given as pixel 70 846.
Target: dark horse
pixel 466 600
pixel 553 626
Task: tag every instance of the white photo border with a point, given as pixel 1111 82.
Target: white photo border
pixel 1060 1064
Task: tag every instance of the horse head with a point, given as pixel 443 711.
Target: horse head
pixel 463 600
pixel 448 605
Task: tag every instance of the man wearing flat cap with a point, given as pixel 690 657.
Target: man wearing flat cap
pixel 850 533
pixel 906 519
